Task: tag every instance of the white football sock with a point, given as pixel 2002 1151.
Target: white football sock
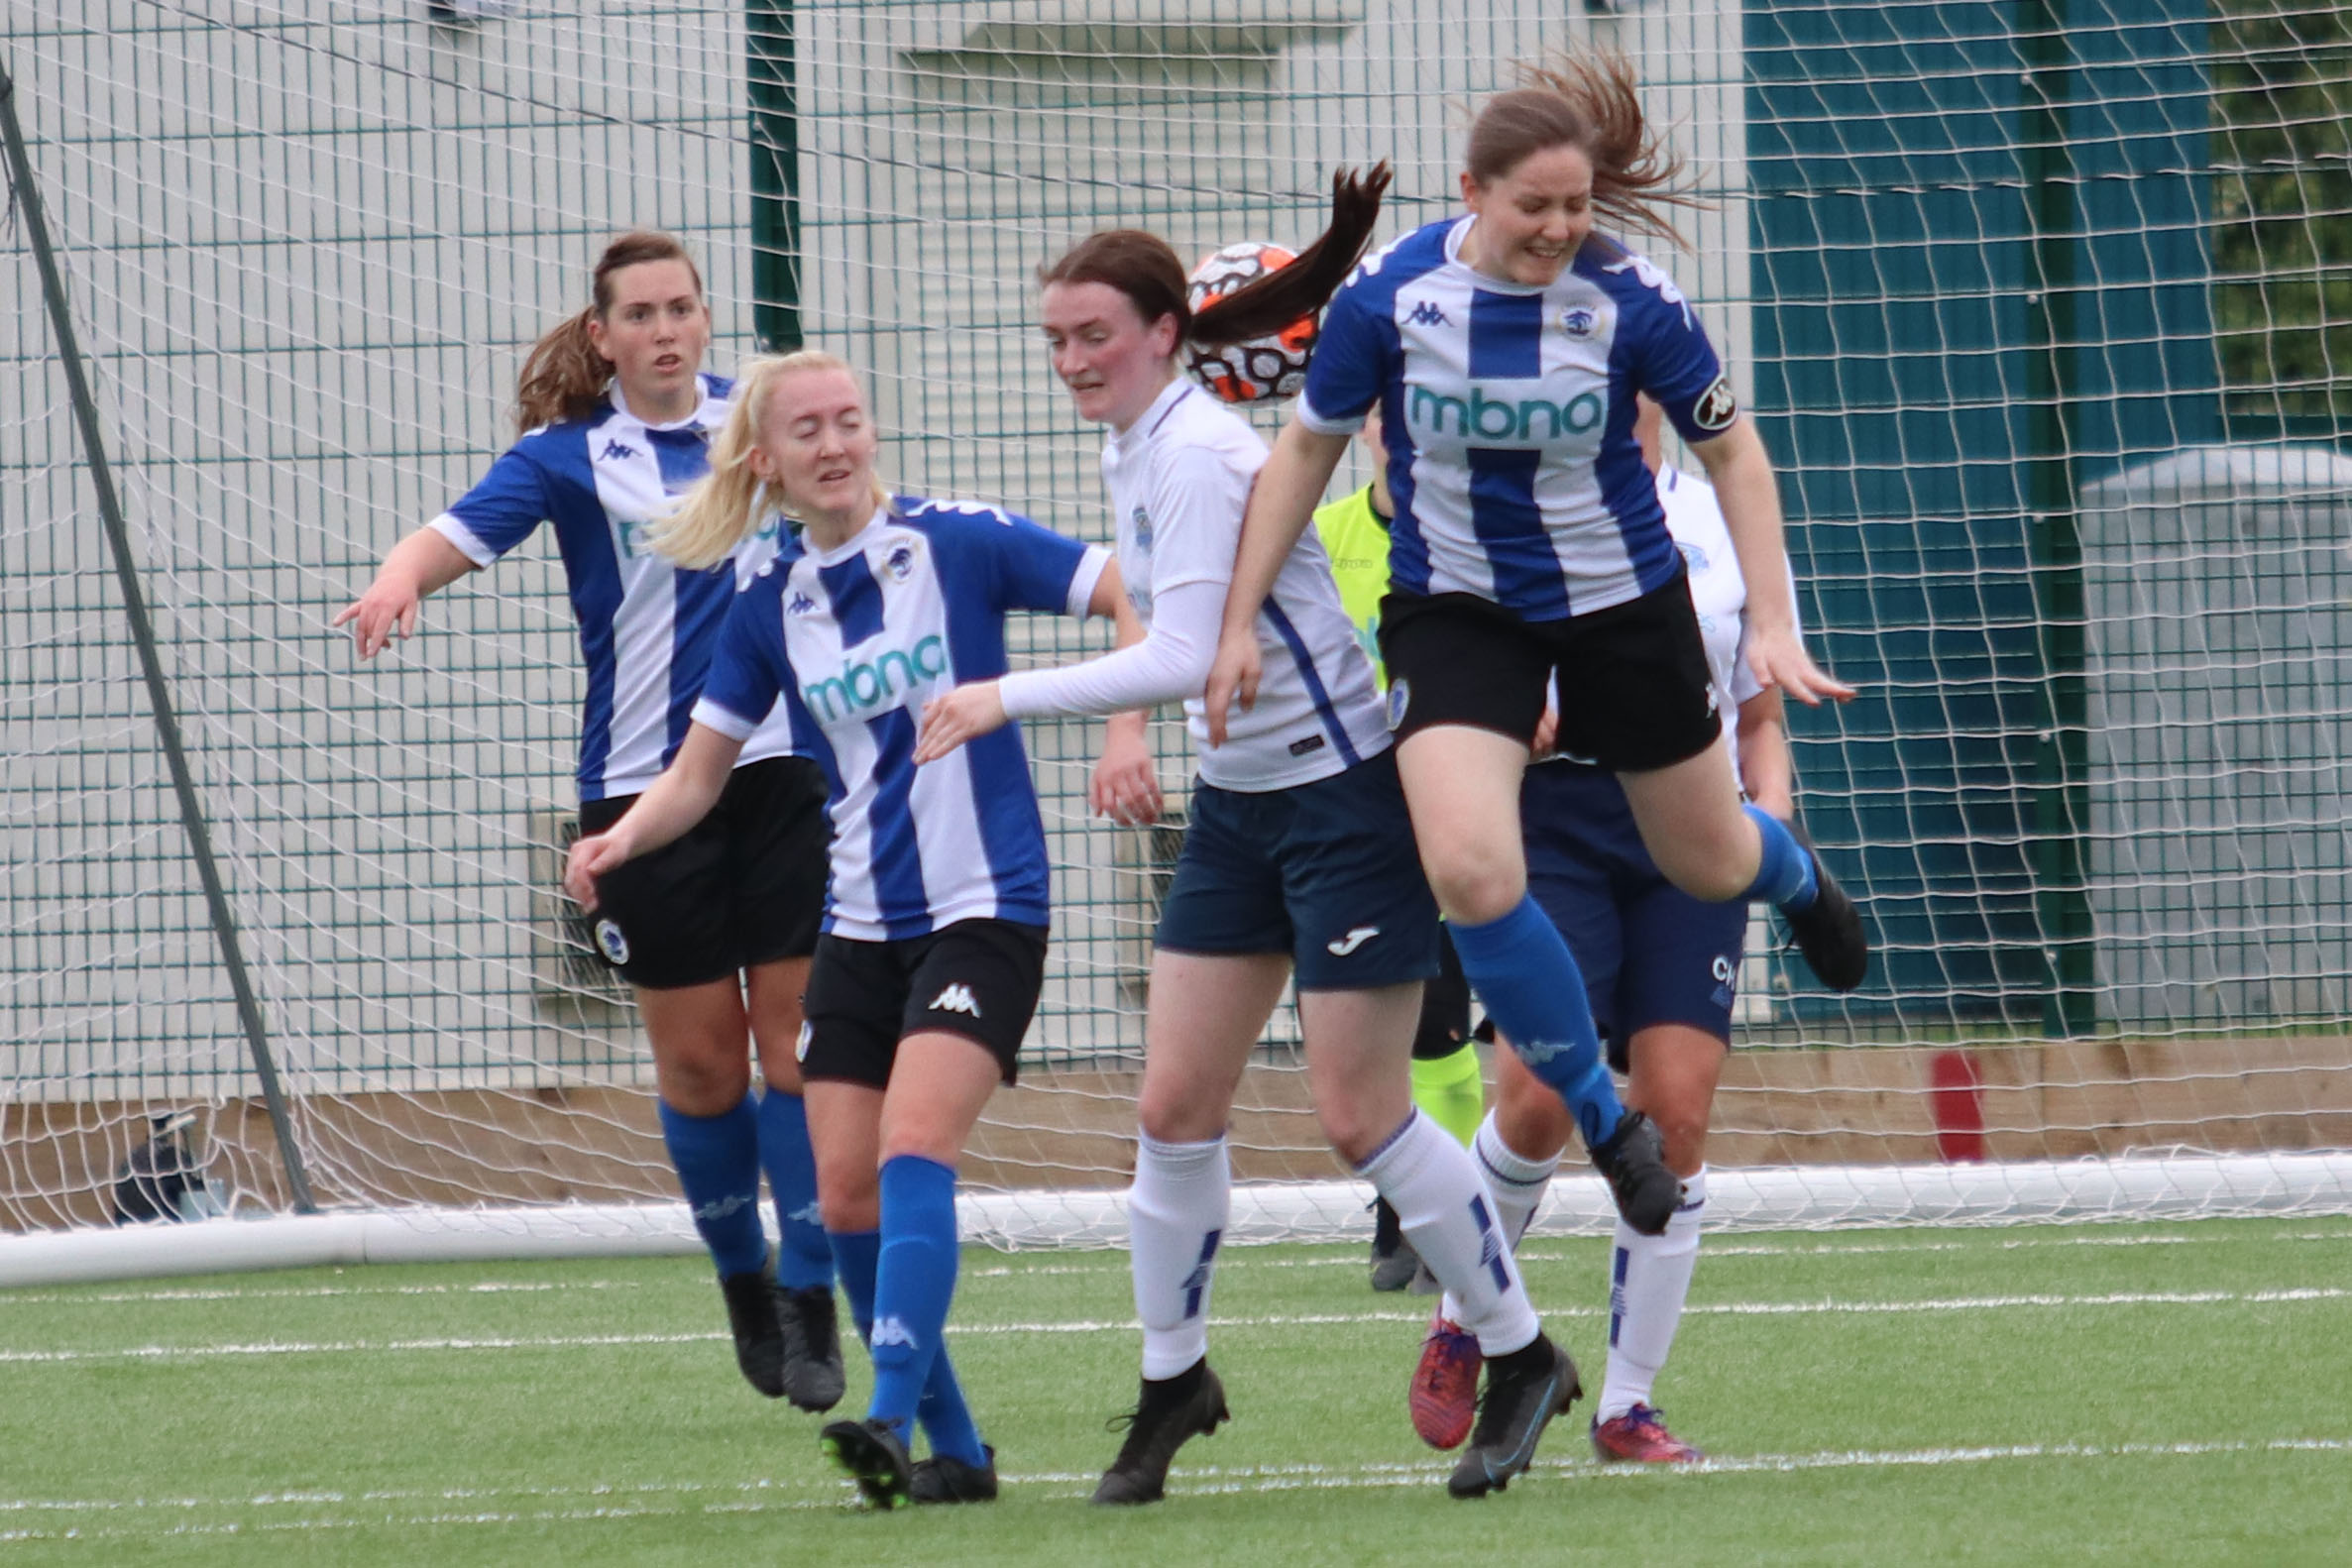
pixel 1176 1214
pixel 1448 1216
pixel 1649 1278
pixel 1517 1186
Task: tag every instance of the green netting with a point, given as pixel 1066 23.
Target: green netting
pixel 1986 274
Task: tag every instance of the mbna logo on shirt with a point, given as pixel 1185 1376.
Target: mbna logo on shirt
pixel 877 682
pixel 1492 420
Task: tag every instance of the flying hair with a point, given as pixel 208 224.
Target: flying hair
pixel 1143 267
pixel 565 375
pixel 726 505
pixel 1593 103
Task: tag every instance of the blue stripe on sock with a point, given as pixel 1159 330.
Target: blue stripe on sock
pixel 717 1158
pixel 805 1260
pixel 1528 979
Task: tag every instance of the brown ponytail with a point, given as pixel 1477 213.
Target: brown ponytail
pixel 565 375
pixel 1269 303
pixel 1593 104
pixel 1142 266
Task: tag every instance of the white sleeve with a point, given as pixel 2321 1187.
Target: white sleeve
pixel 1196 509
pixel 1169 664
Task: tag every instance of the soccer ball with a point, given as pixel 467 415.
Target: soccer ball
pixel 1269 367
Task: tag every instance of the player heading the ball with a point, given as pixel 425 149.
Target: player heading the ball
pixel 1505 348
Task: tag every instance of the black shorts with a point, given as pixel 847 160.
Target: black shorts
pixel 978 978
pixel 1635 691
pixel 745 886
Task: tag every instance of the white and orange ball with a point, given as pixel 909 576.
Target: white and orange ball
pixel 1264 367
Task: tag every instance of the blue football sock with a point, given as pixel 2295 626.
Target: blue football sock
pixel 854 1254
pixel 805 1261
pixel 1785 876
pixel 718 1163
pixel 1524 974
pixel 913 1281
pixel 941 1410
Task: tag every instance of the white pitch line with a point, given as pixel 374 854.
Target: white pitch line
pixel 1969 1304
pixel 1193 1481
pixel 309 1293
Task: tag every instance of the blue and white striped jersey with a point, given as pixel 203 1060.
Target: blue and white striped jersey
pixel 647 627
pixel 1508 416
pixel 855 641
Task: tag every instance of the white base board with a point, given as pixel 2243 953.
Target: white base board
pixel 1810 1197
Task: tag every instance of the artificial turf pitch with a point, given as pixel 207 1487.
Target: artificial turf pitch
pixel 2178 1393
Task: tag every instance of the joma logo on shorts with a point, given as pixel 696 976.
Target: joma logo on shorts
pixel 876 682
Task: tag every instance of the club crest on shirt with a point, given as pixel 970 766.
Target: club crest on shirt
pixel 1578 321
pixel 1716 407
pixel 1143 529
pixel 899 562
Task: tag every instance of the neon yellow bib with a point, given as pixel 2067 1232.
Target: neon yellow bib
pixel 1357 540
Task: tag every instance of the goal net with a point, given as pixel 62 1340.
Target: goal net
pixel 2045 314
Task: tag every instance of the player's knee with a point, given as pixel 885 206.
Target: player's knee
pixel 1357 1129
pixel 1685 1135
pixel 1478 885
pixel 847 1204
pixel 1712 868
pixel 1534 1120
pixel 1168 1113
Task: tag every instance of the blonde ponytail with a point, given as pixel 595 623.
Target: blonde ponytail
pixel 726 505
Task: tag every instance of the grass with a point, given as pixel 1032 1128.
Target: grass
pixel 2100 1394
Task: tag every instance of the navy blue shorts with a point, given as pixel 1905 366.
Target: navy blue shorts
pixel 1650 952
pixel 1325 873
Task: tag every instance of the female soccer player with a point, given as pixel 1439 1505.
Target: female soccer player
pixel 1663 966
pixel 1297 862
pixel 935 922
pixel 713 934
pixel 1503 349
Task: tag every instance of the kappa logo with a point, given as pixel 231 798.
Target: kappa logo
pixel 1536 1053
pixel 721 1209
pixel 611 943
pixel 809 1214
pixel 1716 407
pixel 956 998
pixel 1578 321
pixel 800 604
pixel 891 1330
pixel 1341 947
pixel 1427 314
pixel 619 452
pixel 1647 272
